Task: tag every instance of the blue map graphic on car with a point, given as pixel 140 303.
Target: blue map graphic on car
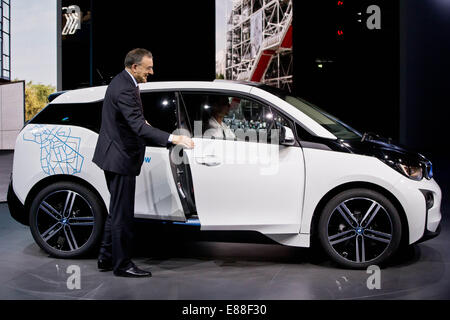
pixel 60 152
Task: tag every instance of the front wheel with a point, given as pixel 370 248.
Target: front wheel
pixel 359 228
pixel 66 220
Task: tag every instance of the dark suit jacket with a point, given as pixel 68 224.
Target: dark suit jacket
pixel 124 133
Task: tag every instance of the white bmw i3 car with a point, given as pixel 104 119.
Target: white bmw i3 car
pixel 288 170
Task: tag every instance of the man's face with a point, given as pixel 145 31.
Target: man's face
pixel 143 69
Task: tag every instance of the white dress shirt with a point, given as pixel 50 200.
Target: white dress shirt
pixel 219 131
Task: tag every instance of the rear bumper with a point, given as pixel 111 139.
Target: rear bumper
pixel 16 208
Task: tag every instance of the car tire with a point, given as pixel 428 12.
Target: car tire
pixel 359 228
pixel 66 220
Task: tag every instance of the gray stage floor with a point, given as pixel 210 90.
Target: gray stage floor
pixel 188 264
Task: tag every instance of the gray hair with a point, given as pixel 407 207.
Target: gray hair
pixel 135 56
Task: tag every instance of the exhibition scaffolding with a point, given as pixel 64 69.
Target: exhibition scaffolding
pixel 259 42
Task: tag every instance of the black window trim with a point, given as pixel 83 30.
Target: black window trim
pixel 179 91
pixel 249 95
pixel 31 121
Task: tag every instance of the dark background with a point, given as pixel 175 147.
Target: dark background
pixel 391 81
pixel 425 75
pixel 181 36
pixel 360 82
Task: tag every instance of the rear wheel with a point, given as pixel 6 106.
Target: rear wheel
pixel 359 228
pixel 66 220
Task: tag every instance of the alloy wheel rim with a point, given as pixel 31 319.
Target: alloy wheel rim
pixel 65 220
pixel 359 230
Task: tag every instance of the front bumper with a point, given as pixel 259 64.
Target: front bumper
pixel 423 218
pixel 433 216
pixel 428 235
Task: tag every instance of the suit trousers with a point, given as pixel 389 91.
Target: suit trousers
pixel 117 242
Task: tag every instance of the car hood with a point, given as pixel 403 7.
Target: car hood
pixel 387 151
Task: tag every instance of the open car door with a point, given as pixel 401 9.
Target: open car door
pixel 159 194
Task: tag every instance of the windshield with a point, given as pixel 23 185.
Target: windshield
pixel 326 120
pixel 332 124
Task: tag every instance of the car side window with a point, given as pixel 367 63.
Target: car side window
pixel 281 122
pixel 230 117
pixel 72 114
pixel 160 110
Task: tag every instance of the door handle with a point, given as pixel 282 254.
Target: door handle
pixel 209 161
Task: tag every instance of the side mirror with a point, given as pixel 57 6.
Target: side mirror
pixel 287 137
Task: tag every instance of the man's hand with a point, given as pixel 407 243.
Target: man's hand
pixel 184 141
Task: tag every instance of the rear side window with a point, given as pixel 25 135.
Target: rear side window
pixel 159 111
pixel 86 115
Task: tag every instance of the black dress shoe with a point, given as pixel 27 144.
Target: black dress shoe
pixel 133 272
pixel 104 265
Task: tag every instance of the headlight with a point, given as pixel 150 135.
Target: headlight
pixel 428 170
pixel 412 172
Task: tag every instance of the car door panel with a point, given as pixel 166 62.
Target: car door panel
pixel 156 193
pixel 247 185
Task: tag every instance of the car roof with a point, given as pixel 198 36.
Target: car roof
pixel 94 94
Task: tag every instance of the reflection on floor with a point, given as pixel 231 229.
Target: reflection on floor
pixel 188 264
pixel 6 162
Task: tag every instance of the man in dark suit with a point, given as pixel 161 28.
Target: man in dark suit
pixel 120 151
